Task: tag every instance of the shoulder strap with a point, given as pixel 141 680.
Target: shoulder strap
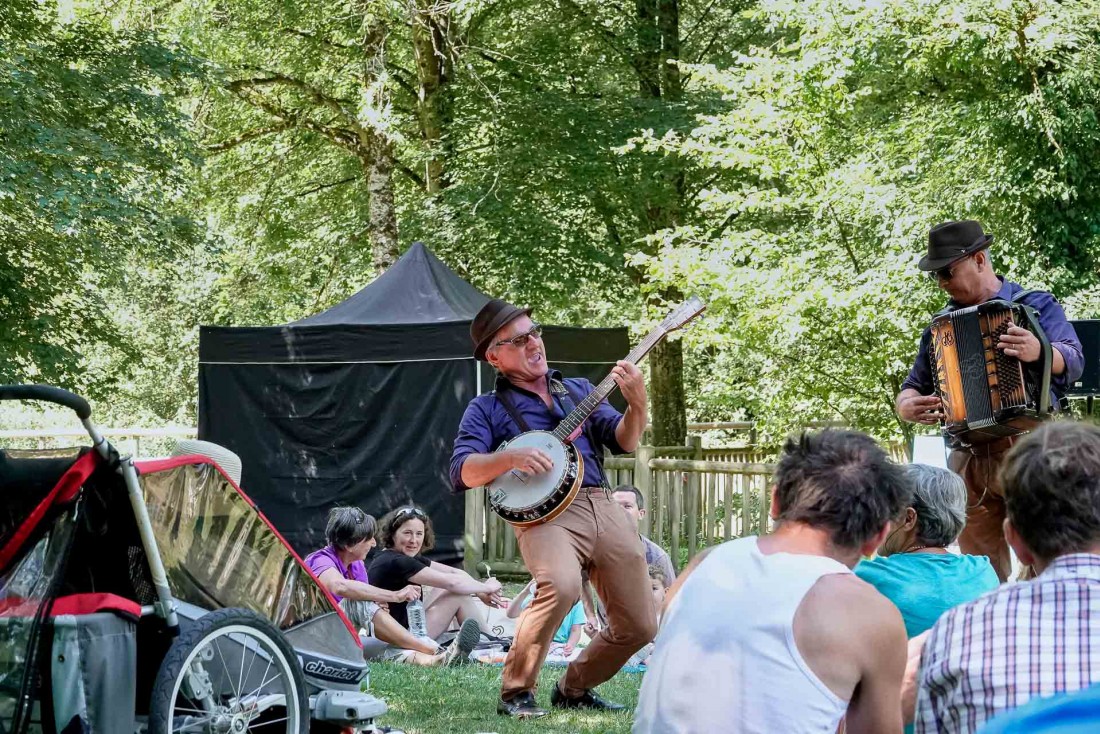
pixel 1021 295
pixel 510 408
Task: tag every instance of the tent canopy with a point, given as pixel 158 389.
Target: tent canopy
pixel 359 405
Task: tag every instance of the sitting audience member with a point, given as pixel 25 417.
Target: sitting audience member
pixel 776 634
pixel 339 567
pixel 914 568
pixel 1036 638
pixel 658 585
pixel 631 500
pixel 406 534
pixel 568 633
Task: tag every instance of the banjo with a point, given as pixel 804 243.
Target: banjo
pixel 524 499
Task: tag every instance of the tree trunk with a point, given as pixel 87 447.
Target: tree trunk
pixel 434 71
pixel 382 215
pixel 669 411
pixel 658 43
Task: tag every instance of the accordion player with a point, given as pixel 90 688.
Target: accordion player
pixel 986 394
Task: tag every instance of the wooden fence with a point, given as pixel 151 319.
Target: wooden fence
pixel 691 502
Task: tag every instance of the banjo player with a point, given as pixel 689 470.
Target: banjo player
pixel 593 533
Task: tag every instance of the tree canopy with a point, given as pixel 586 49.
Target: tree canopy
pixel 250 162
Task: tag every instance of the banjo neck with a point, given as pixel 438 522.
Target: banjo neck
pixel 580 414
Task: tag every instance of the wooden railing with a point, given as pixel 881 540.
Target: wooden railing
pixel 141 443
pixel 691 502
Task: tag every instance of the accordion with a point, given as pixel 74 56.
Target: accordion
pixel 986 394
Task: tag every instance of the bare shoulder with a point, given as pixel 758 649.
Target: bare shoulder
pixel 845 606
pixel 846 630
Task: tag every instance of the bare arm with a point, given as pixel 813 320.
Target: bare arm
pixel 515 607
pixel 336 584
pixel 573 639
pixel 479 469
pixel 875 706
pixel 629 379
pixel 458 583
pixel 917 408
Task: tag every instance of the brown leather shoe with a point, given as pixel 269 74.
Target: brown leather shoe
pixel 521 706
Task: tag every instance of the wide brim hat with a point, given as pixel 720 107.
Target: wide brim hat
pixel 493 316
pixel 953 241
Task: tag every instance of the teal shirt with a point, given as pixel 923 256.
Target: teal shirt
pixel 925 585
pixel 574 617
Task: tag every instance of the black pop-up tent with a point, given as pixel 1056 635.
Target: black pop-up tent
pixel 359 405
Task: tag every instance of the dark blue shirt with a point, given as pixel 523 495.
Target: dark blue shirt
pixel 1051 318
pixel 486 424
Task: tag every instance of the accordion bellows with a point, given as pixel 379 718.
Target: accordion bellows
pixel 986 394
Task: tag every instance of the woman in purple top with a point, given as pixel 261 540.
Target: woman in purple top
pixel 339 567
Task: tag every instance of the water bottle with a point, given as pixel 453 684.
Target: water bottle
pixel 417 624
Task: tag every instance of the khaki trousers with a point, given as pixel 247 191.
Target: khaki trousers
pixel 593 533
pixel 985 508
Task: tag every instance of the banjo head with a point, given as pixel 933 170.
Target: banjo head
pixel 516 491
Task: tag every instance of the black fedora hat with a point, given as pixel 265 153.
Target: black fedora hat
pixel 493 316
pixel 952 241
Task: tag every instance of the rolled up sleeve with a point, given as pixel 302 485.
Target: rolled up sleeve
pixel 475 436
pixel 1062 337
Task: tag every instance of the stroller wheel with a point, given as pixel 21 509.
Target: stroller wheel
pixel 230 672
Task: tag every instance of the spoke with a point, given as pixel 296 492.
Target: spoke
pixel 264 682
pixel 268 723
pixel 225 665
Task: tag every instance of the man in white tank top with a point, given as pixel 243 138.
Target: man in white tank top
pixel 775 634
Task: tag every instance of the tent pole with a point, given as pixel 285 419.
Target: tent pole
pixel 477 376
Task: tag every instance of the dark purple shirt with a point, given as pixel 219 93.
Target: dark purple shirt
pixel 1051 317
pixel 486 424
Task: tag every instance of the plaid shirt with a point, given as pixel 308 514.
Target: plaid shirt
pixel 1024 641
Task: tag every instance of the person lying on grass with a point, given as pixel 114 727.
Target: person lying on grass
pixel 340 569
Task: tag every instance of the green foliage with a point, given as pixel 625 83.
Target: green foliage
pixel 864 126
pixel 93 156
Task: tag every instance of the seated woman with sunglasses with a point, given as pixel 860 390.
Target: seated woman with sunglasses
pixel 339 567
pixel 406 534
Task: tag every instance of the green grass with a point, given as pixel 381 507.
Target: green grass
pixel 464 700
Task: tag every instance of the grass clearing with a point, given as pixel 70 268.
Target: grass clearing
pixel 464 700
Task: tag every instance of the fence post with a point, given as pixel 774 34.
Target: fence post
pixel 643 480
pixel 691 508
pixel 675 511
pixel 474 533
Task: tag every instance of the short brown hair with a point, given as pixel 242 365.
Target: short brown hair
pixel 394 519
pixel 656 572
pixel 1051 482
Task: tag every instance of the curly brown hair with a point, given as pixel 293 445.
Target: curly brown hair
pixel 394 519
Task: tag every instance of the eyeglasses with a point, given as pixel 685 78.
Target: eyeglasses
pixel 945 273
pixel 519 342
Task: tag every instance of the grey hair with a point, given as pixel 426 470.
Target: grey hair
pixel 939 498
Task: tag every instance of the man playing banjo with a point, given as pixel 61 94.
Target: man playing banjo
pixel 593 532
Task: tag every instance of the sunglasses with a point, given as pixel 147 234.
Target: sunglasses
pixel 519 342
pixel 409 511
pixel 947 272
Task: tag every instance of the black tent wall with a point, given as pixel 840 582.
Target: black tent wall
pixel 320 419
